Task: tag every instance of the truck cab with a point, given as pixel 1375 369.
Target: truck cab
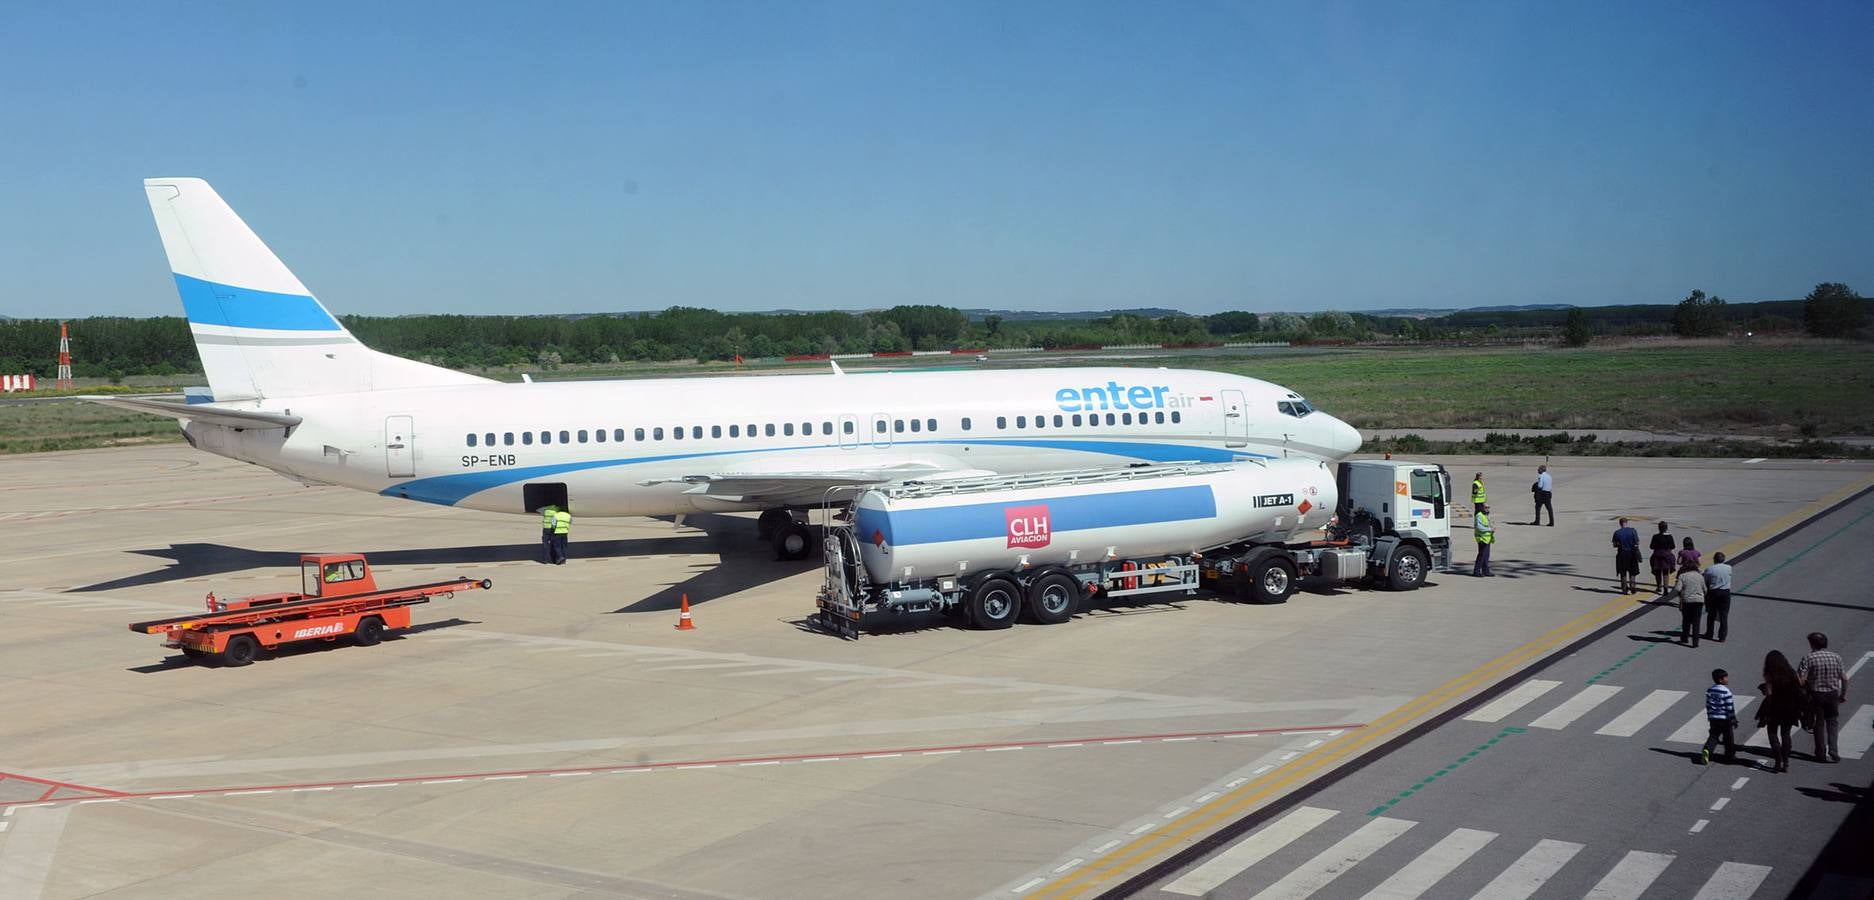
pixel 1404 498
pixel 335 575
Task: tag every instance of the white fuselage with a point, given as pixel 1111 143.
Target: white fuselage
pixel 477 445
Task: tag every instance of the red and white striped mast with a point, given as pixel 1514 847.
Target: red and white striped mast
pixel 65 359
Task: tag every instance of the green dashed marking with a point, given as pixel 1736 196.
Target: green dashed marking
pixel 1805 551
pixel 1630 658
pixel 1427 781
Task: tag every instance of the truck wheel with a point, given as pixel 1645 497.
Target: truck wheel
pixel 370 631
pixel 792 541
pixel 242 648
pixel 995 602
pixel 1409 565
pixel 1052 597
pixel 1271 580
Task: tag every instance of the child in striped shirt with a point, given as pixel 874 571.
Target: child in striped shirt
pixel 1721 712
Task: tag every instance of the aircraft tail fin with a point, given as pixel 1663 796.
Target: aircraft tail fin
pixel 261 334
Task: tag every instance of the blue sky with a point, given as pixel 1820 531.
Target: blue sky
pixel 484 158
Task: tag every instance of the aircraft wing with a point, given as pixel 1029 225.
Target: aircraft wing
pixel 798 488
pixel 230 418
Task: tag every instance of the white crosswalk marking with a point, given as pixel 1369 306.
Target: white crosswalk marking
pixel 1575 707
pixel 1857 734
pixel 1758 738
pixel 1629 723
pixel 1422 873
pixel 1733 881
pixel 1530 871
pixel 1327 865
pixel 1516 699
pixel 1249 851
pixel 1695 731
pixel 1630 877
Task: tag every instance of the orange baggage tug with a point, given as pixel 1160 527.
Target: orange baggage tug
pixel 339 598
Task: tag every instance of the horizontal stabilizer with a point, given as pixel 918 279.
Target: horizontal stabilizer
pixel 212 415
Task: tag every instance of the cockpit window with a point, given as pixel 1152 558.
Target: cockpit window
pixel 1293 406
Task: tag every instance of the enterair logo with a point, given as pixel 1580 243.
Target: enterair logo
pixel 1028 525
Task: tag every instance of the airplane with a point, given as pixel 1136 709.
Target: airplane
pixel 290 389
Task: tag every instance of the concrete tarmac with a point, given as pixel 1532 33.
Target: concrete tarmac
pixel 557 737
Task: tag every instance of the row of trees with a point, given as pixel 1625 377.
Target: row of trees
pixel 113 346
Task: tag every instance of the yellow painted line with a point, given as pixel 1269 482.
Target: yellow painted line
pixel 1233 804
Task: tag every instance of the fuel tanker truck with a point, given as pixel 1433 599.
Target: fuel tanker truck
pixel 989 550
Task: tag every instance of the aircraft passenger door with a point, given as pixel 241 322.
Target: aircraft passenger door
pixel 881 430
pixel 1235 419
pixel 399 447
pixel 848 431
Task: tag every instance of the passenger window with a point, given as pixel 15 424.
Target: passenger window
pixel 1111 419
pixel 582 435
pixel 930 424
pixel 696 432
pixel 897 425
pixel 637 434
pixel 1158 417
pixel 770 429
pixel 546 437
pixel 966 423
pixel 806 429
pixel 1041 421
pixel 618 435
pixel 471 439
pixel 598 434
pixel 1126 418
pixel 565 438
pixel 527 438
pixel 917 424
pixel 489 439
pixel 657 434
pixel 1076 420
pixel 735 431
pixel 1059 420
pixel 826 428
pixel 676 434
pixel 715 431
pixel 787 428
pixel 1176 417
pixel 507 438
pixel 849 427
pixel 1002 422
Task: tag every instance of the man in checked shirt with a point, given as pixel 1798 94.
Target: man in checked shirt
pixel 1821 675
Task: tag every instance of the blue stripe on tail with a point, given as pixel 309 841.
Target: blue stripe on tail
pixel 212 303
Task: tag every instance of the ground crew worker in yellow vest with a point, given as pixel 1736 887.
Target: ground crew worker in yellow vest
pixel 1486 535
pixel 562 524
pixel 546 532
pixel 1477 491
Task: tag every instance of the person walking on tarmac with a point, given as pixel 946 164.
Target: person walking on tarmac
pixel 1544 489
pixel 546 532
pixel 1486 535
pixel 562 526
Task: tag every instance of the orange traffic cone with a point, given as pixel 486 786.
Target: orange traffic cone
pixel 683 618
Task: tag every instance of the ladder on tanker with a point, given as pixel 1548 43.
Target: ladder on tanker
pixel 841 603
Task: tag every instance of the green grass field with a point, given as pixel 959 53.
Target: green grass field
pixel 1784 389
pixel 1772 390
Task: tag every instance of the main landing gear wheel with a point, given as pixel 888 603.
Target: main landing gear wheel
pixel 995 602
pixel 242 649
pixel 792 541
pixel 1409 566
pixel 1271 580
pixel 370 631
pixel 1051 597
pixel 771 521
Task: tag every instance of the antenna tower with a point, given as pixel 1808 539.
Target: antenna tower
pixel 65 359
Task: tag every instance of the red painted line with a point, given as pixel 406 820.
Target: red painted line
pixel 55 785
pixel 725 761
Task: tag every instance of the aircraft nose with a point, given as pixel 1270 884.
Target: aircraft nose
pixel 1343 438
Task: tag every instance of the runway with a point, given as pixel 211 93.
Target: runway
pixel 556 736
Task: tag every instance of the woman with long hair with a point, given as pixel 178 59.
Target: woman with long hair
pixel 1689 554
pixel 1781 707
pixel 1661 559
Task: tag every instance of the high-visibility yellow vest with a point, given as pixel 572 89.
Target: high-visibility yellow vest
pixel 546 516
pixel 1477 492
pixel 1485 533
pixel 562 522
